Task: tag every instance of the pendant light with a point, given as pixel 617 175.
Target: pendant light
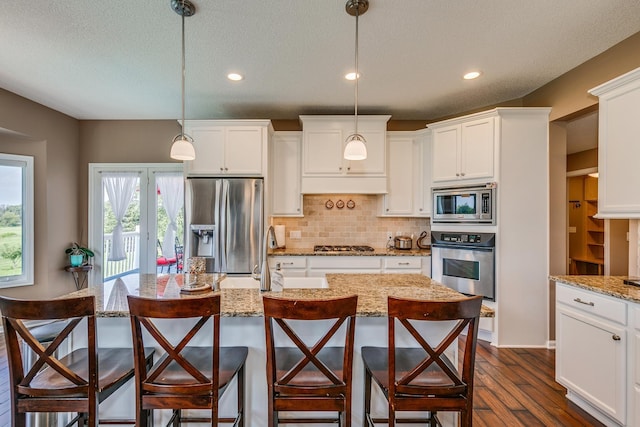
pixel 356 148
pixel 182 148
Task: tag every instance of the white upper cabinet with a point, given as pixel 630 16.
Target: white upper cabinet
pixel 409 174
pixel 324 140
pixel 228 147
pixel 285 169
pixel 399 200
pixel 324 170
pixel 463 150
pixel 422 173
pixel 618 147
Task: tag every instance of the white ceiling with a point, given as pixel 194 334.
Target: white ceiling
pixel 116 59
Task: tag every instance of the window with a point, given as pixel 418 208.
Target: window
pixel 16 220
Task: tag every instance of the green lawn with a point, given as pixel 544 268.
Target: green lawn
pixel 12 237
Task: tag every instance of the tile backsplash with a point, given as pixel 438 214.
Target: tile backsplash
pixel 358 226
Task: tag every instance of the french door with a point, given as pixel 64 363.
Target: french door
pixel 136 219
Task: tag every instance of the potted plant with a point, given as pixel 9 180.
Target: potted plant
pixel 78 255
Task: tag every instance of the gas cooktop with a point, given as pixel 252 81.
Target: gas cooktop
pixel 342 248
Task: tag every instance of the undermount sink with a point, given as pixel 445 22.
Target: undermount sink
pixel 231 282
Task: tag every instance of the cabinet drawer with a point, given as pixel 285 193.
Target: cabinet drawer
pixel 402 262
pixel 288 262
pixel 590 302
pixel 344 262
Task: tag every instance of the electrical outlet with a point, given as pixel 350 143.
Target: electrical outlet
pixel 295 234
pixel 389 234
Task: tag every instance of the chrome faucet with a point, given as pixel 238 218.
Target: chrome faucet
pixel 265 274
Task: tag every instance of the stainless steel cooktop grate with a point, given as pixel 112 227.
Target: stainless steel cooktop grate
pixel 342 248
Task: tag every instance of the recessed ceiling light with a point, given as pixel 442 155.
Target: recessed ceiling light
pixel 351 76
pixel 471 75
pixel 235 77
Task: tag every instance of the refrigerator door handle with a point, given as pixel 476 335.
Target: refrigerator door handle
pixel 224 225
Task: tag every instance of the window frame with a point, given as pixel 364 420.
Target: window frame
pixel 27 276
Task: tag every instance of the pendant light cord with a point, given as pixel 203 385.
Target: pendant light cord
pixel 183 75
pixel 357 77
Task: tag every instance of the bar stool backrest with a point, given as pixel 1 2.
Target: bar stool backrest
pixel 144 312
pixel 71 382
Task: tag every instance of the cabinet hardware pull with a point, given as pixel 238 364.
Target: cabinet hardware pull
pixel 584 302
pixel 287 263
pixel 462 174
pixel 457 174
pixel 616 337
pixel 221 169
pixel 403 263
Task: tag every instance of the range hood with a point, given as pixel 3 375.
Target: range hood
pixel 344 185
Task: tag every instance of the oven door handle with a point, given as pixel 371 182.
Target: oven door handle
pixel 464 248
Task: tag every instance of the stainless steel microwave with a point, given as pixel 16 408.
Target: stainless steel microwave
pixel 467 205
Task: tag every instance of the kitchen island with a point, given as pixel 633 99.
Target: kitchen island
pixel 243 324
pixel 598 346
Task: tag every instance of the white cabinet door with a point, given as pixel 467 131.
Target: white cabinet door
pixel 476 149
pixel 374 164
pixel 285 173
pixel 464 151
pixel 422 173
pixel 445 154
pixel 591 360
pixel 209 146
pixel 618 148
pixel 399 200
pixel 323 152
pixel 243 150
pixel 228 147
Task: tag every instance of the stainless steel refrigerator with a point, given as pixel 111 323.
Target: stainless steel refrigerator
pixel 224 220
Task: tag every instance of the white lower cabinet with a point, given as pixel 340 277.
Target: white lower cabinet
pixel 591 352
pixel 402 264
pixel 292 266
pixel 315 266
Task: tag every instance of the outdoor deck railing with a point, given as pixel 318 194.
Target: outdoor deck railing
pixel 130 264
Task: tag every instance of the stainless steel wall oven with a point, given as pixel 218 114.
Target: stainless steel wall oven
pixel 464 261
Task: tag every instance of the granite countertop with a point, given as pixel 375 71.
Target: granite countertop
pixel 608 285
pixel 372 291
pixel 375 252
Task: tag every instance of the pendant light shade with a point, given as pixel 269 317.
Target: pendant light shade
pixel 182 147
pixel 356 148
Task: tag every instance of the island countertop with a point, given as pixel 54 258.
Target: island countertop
pixel 372 291
pixel 607 285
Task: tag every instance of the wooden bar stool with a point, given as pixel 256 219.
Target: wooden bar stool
pixel 310 377
pixel 423 378
pixel 185 377
pixel 77 382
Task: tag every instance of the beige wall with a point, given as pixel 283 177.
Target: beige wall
pixel 121 141
pixel 29 128
pixel 568 93
pixel 582 160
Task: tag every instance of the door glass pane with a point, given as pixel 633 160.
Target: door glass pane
pixel 121 224
pixel 170 222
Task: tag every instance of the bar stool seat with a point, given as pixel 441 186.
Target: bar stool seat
pixel 311 376
pixel 186 376
pixel 423 378
pixel 76 382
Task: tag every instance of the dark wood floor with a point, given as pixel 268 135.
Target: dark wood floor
pixel 514 387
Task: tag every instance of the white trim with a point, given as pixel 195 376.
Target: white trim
pixel 28 244
pixel 581 172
